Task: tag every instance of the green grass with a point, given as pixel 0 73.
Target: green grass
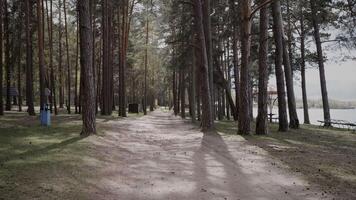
pixel 30 155
pixel 48 162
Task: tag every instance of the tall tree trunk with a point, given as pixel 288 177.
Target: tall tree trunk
pixel 235 55
pixel 207 116
pixel 292 107
pixel 244 126
pixel 289 35
pixel 261 124
pixel 324 91
pixel 228 77
pixel 302 70
pixel 19 69
pixel 53 96
pixel 7 56
pixel 236 70
pixel 68 59
pixel 60 33
pixel 41 61
pixel 29 59
pixel 76 98
pixel 182 93
pixel 89 125
pixel 193 86
pixel 209 46
pixel 278 36
pixel 93 5
pixel 146 65
pixel 175 93
pixel 1 57
pixel 107 76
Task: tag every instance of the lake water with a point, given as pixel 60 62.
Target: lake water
pixel 316 114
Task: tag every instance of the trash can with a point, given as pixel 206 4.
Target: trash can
pixel 45 116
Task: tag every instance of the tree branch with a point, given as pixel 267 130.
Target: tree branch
pixel 265 3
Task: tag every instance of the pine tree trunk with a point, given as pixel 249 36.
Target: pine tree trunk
pixel 106 75
pixel 19 68
pixel 146 66
pixel 228 76
pixel 68 59
pixel 89 125
pixel 192 102
pixel 76 98
pixel 209 45
pixel 1 58
pixel 278 36
pixel 207 116
pixel 236 71
pixel 244 126
pixel 40 38
pixel 182 93
pixel 29 59
pixel 324 91
pixel 261 124
pixel 7 56
pixel 303 77
pixel 175 93
pixel 60 32
pixel 292 108
pixel 93 5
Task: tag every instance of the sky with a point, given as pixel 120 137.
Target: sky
pixel 341 81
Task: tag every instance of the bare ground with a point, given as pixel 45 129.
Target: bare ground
pixel 154 157
pixel 162 157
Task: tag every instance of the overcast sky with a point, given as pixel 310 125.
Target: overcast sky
pixel 341 81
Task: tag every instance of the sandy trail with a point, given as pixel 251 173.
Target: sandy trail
pixel 160 156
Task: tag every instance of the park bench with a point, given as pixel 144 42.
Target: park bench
pixel 339 124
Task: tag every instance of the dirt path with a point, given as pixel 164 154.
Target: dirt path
pixel 162 157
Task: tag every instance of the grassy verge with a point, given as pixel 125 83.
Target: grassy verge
pixel 325 156
pixel 34 160
pixel 47 163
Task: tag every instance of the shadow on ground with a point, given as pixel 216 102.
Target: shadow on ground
pixel 325 156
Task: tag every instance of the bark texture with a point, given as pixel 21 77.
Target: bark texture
pixel 88 113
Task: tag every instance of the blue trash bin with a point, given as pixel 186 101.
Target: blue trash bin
pixel 45 116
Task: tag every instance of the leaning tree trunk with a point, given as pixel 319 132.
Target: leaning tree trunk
pixel 302 70
pixel 293 116
pixel 207 116
pixel 292 107
pixel 89 126
pixel 324 91
pixel 261 123
pixel 244 125
pixel 278 37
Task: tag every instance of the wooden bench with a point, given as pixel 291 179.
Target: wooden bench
pixel 339 124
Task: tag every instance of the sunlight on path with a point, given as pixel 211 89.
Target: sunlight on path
pixel 162 157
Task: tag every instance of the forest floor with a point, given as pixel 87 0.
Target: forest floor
pixel 160 156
